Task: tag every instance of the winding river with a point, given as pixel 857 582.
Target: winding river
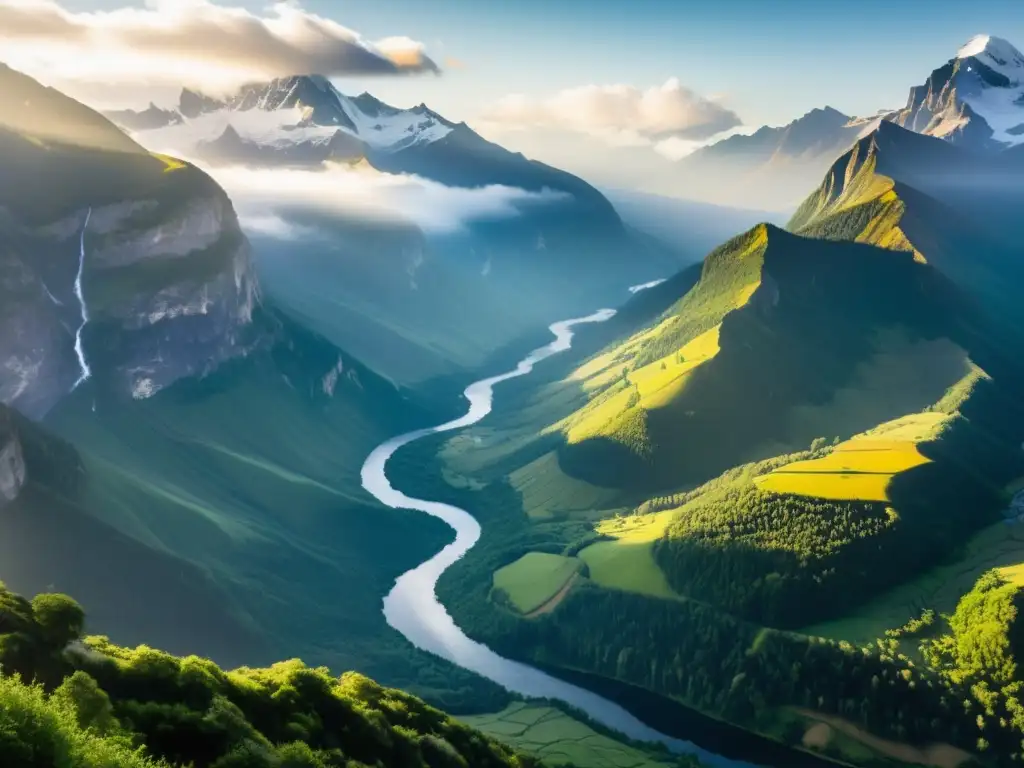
pixel 412 606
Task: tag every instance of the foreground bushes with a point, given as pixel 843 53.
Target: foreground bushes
pixel 96 705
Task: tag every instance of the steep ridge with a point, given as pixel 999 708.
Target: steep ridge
pixel 948 206
pixel 736 350
pixel 146 248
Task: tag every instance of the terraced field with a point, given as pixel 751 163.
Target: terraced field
pixel 554 736
pixel 535 578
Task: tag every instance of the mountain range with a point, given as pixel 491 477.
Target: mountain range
pixel 777 495
pixel 750 485
pixel 975 100
pixel 563 250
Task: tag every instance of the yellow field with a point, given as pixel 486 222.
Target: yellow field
pixel 917 428
pixel 1013 574
pixel 837 487
pixel 535 578
pixel 861 468
pixel 879 458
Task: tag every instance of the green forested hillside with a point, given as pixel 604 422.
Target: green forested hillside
pixel 782 340
pixel 68 702
pixel 230 518
pixel 806 549
pixel 767 496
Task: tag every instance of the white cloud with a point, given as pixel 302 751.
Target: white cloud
pixel 675 148
pixel 620 115
pixel 192 41
pixel 268 199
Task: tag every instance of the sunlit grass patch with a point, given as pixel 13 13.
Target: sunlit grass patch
pixel 656 376
pixel 652 386
pixel 637 528
pixel 171 164
pixel 595 418
pixel 626 565
pixel 1014 574
pixel 535 578
pixel 833 486
pixel 879 459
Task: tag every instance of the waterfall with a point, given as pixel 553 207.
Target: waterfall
pixel 79 351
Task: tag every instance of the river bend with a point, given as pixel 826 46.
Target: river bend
pixel 412 606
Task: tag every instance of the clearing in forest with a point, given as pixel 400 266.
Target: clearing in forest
pixel 627 562
pixel 535 578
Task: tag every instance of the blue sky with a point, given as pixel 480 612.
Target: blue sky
pixel 769 61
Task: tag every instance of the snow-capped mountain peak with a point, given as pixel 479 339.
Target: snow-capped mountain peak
pixel 975 99
pixel 296 114
pixel 994 51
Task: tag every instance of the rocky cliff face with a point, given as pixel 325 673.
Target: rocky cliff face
pixel 165 289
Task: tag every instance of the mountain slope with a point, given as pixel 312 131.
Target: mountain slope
pixel 762 489
pixel 46 115
pixel 863 405
pixel 383 288
pixel 771 169
pixel 949 207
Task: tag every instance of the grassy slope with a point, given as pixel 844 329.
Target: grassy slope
pixel 777 339
pixel 905 192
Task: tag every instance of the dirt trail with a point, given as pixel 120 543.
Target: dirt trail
pixel 557 598
pixel 940 755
